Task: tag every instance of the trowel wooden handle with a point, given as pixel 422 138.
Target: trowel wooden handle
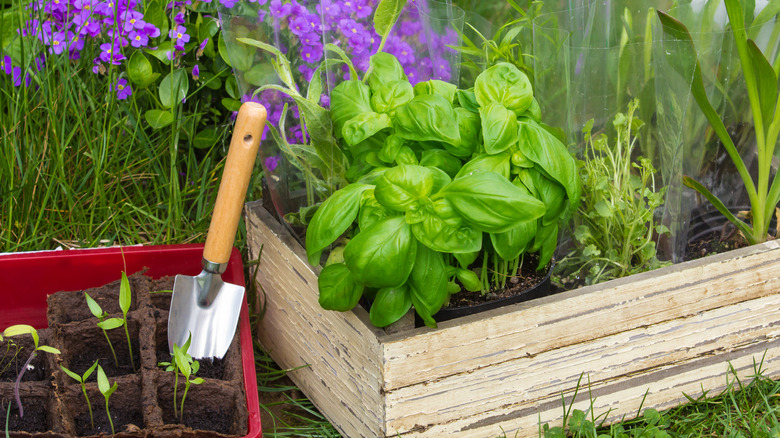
pixel 235 181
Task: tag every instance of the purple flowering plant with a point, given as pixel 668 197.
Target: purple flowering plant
pixel 161 59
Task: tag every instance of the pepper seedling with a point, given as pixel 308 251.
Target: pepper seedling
pixel 106 389
pixel 182 363
pixel 125 300
pixel 102 317
pixel 82 380
pixel 21 329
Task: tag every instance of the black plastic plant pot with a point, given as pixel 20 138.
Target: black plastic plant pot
pixel 541 289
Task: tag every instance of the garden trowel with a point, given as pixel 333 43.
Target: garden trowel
pixel 205 307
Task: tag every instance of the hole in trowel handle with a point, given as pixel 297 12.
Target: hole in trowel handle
pixel 248 138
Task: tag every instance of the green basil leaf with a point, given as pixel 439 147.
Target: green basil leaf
pixel 443 229
pixel 499 127
pixel 490 202
pixel 400 186
pixel 544 149
pixel 442 160
pixel 332 219
pixel 385 69
pixel 468 127
pixel 440 179
pixel 383 254
pixel 468 100
pixel 467 258
pixel 428 117
pixel 534 112
pixel 338 288
pixel 469 280
pixel 363 126
pixel 406 156
pixel 371 211
pixel 498 163
pixel 552 194
pixel 545 241
pixel 506 84
pixel 392 95
pixel 435 86
pixel 510 244
pixel 390 304
pixel 428 282
pixel 347 100
pixel 393 144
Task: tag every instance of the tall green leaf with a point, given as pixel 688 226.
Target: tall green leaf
pixel 386 14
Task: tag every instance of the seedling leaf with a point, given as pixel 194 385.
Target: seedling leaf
pixel 125 297
pixel 94 307
pixel 48 349
pixel 90 370
pixel 34 334
pixel 102 380
pixel 111 323
pixel 111 390
pixel 197 381
pixel 73 375
pixel 19 329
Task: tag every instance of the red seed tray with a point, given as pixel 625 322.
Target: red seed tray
pixel 26 279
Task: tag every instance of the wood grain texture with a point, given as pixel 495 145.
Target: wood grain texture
pixel 335 356
pixel 654 336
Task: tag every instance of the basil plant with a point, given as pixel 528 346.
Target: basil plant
pixel 438 176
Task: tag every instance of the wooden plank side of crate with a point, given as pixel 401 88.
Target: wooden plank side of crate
pixel 336 356
pixel 569 318
pixel 665 359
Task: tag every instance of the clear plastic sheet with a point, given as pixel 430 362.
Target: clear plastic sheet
pixel 298 174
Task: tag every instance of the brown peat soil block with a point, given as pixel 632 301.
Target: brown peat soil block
pixel 14 353
pixel 70 306
pixel 39 405
pixel 124 404
pixel 142 404
pixel 214 405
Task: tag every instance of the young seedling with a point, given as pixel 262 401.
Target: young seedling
pixel 6 362
pixel 184 364
pixel 106 389
pixel 82 380
pixel 22 329
pixel 125 299
pixel 102 317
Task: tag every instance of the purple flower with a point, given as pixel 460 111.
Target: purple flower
pixel 356 34
pixel 278 9
pixel 138 39
pixel 132 20
pixel 409 28
pixel 228 3
pixel 309 39
pixel 299 26
pixel 86 24
pixel 403 52
pixel 312 54
pixel 195 72
pixel 325 101
pixel 329 8
pixel 411 74
pixel 122 88
pixel 179 18
pixel 271 163
pixel 306 71
pixel 180 37
pixel 60 41
pixel 261 14
pixel 151 30
pixel 7 66
pixel 110 52
pixel 362 9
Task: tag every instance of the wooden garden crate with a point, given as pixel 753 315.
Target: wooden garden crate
pixel 643 340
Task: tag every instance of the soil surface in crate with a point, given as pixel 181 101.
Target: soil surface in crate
pixel 81 362
pixel 36 370
pixel 526 278
pixel 712 233
pixel 34 419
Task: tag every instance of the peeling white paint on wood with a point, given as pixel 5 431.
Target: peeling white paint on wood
pixel 651 337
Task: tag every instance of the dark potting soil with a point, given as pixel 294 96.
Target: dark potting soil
pixel 212 368
pixel 80 363
pixel 217 420
pixel 129 419
pixel 526 278
pixel 34 419
pixel 11 366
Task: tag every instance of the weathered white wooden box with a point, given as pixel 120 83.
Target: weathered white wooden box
pixel 644 340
